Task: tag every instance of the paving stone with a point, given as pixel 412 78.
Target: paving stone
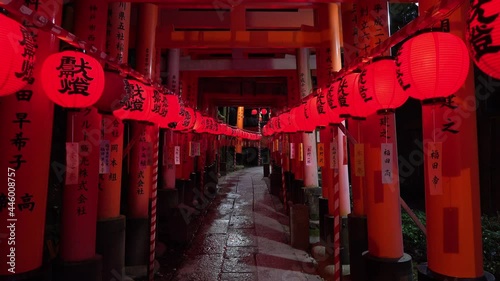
pixel 241 237
pixel 208 244
pixel 240 264
pixel 215 226
pixel 241 221
pixel 200 268
pixel 238 277
pixel 244 237
pixel 237 252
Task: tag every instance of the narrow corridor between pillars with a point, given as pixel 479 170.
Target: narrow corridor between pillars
pixel 244 236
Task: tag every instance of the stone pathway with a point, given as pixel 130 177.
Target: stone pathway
pixel 245 237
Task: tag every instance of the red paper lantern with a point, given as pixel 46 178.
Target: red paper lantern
pixel 165 109
pixel 188 120
pixel 72 79
pixel 17 49
pixel 316 108
pixel 432 66
pixel 254 111
pixel 159 106
pixel 303 119
pixel 115 90
pixel 346 96
pixel 483 36
pixel 287 123
pixel 263 111
pixel 379 87
pixel 202 124
pixel 137 104
pixel 331 108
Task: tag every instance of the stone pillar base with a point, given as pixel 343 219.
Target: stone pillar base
pixel 344 240
pixel 137 242
pixel 110 244
pixel 78 271
pixel 266 170
pixel 380 269
pixel 425 274
pixel 358 244
pixel 299 227
pixel 312 195
pixel 167 199
pixel 297 192
pixel 40 274
pixel 323 211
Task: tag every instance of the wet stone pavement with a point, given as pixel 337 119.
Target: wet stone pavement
pixel 244 236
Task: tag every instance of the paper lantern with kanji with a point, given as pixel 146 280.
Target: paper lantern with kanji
pixel 332 108
pixel 115 90
pixel 187 122
pixel 317 111
pixel 17 49
pixel 136 105
pixel 72 79
pixel 174 109
pixel 432 66
pixel 303 119
pixel 346 93
pixel 287 123
pixel 483 36
pixel 200 125
pixel 379 87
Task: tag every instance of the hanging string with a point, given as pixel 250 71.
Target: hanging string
pixel 72 127
pixel 386 127
pixel 433 124
pixel 359 132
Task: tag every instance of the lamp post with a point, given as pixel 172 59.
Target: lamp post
pixel 259 112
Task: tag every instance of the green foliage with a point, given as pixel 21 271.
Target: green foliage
pixel 413 239
pixel 415 244
pixel 491 244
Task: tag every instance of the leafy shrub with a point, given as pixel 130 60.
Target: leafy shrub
pixel 415 244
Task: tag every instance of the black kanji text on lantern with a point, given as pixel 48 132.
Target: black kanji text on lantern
pixel 74 76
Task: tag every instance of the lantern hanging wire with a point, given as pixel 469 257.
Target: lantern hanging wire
pixel 439 11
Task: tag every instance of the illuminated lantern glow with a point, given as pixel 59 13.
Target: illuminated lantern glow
pixel 136 105
pixel 277 125
pixel 72 79
pixel 379 87
pixel 267 131
pixel 483 36
pixel 332 108
pixel 303 118
pixel 18 56
pixel 316 108
pixel 254 111
pixel 361 104
pixel 346 93
pixel 203 124
pixel 272 124
pixel 287 123
pixel 360 107
pixel 187 122
pixel 159 106
pixel 432 66
pixel 263 111
pixel 295 120
pixel 174 109
pixel 115 90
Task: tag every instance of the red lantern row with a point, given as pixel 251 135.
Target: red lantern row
pixel 18 56
pixel 429 67
pixel 209 125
